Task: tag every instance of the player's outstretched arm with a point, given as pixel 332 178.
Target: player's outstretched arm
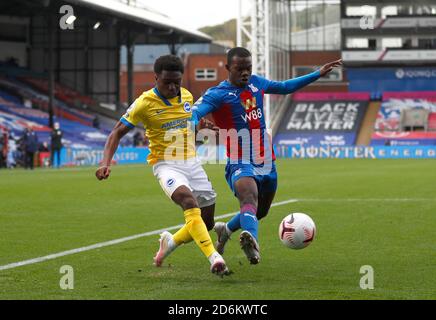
pixel 119 131
pixel 292 85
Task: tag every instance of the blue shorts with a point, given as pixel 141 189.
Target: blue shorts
pixel 266 178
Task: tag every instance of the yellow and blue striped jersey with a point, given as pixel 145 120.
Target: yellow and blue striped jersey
pixel 166 122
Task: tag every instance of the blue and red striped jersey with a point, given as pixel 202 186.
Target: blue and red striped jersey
pixel 242 109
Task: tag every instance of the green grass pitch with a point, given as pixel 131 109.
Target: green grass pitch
pixel 380 213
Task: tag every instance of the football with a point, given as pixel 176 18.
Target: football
pixel 297 230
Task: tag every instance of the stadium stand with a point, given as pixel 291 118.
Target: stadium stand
pixel 63 93
pixel 367 127
pixel 41 50
pixel 17 118
pixel 432 121
pixel 19 98
pixel 40 99
pixel 405 118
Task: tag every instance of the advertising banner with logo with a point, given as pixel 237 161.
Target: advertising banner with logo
pixel 321 123
pixel 417 138
pixel 322 139
pixel 126 155
pixel 356 152
pixel 93 157
pixel 379 80
pixel 323 116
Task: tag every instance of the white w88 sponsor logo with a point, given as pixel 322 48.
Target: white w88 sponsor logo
pixel 254 114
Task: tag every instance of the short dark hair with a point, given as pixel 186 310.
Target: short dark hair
pixel 237 52
pixel 168 63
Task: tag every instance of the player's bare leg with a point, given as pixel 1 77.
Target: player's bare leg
pixel 264 203
pixel 208 216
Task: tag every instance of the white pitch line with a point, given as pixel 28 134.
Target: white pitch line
pixel 113 242
pixel 369 200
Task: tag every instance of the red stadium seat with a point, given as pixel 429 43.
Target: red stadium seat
pixel 432 121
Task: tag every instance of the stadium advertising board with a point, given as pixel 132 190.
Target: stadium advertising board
pixel 93 157
pixel 403 138
pixel 392 79
pixel 127 155
pixel 323 116
pixel 356 152
pixel 335 139
pixel 321 123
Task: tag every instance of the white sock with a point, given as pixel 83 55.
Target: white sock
pixel 213 256
pixel 171 244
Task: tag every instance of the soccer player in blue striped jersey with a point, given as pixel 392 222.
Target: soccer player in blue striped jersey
pixel 237 105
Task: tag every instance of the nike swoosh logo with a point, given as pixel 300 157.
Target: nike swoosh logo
pixel 204 241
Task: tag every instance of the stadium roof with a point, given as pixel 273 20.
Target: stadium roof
pixel 140 15
pixel 161 28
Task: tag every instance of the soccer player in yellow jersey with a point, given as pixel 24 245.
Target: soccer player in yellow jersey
pixel 165 112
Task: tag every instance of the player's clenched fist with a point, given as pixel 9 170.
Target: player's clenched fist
pixel 103 172
pixel 207 124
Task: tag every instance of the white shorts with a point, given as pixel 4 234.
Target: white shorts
pixel 189 173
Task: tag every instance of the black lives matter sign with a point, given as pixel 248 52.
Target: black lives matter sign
pixel 324 116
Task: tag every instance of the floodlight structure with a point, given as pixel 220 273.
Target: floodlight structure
pixel 265 30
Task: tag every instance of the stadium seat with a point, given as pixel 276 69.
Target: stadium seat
pixel 431 121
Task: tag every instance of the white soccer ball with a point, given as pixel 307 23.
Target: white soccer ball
pixel 297 230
